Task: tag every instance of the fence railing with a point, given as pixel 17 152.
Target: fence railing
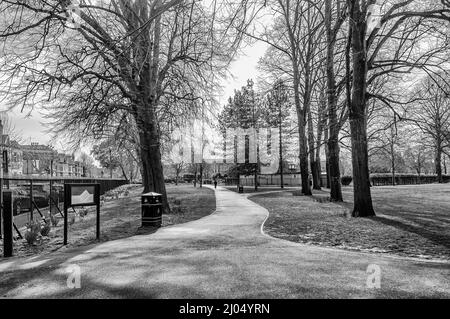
pixel 38 196
pixel 375 180
pixel 405 179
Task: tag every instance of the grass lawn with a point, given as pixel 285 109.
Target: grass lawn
pixel 121 217
pixel 411 220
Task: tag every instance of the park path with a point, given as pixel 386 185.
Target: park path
pixel 223 255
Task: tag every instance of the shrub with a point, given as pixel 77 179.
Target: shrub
pixel 71 219
pixel 53 219
pixel 346 180
pixel 45 230
pixel 83 212
pixel 33 232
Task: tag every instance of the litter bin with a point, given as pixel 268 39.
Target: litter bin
pixel 151 209
pixel 241 189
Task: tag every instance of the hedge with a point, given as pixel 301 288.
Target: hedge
pixel 405 179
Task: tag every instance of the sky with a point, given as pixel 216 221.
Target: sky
pixel 32 126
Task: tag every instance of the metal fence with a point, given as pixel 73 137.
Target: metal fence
pixel 269 180
pixel 405 179
pixel 37 196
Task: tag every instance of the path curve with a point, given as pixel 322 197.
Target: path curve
pixel 223 255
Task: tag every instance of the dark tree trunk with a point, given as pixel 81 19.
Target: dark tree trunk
pixel 333 170
pixel 303 156
pixel 438 164
pixel 327 157
pixel 321 123
pixel 357 114
pixel 301 111
pixel 392 153
pixel 195 175
pixel 124 174
pixel 327 167
pixel 153 176
pixel 280 136
pixel 303 143
pixel 361 183
pixel 314 167
pixel 445 166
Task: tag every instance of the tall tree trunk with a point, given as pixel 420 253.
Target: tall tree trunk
pixel 201 175
pixel 312 158
pixel 357 113
pixel 445 166
pixel 327 157
pixel 393 163
pixel 438 164
pixel 419 166
pixel 195 174
pixel 280 137
pixel 320 127
pixel 303 144
pixel 152 169
pixel 333 170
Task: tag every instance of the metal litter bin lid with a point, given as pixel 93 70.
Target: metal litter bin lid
pixel 151 194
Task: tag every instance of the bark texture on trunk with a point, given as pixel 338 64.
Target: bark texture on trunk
pixel 438 164
pixel 333 170
pixel 303 143
pixel 357 114
pixel 312 158
pixel 152 169
pixel 321 124
pixel 327 158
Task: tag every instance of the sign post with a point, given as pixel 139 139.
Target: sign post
pixel 81 195
pixel 8 224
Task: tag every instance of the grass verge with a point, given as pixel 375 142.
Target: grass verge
pixel 121 217
pixel 411 220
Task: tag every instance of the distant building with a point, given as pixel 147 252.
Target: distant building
pixel 67 166
pixel 4 142
pixel 15 159
pixel 38 159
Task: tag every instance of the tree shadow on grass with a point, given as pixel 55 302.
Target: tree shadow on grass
pixel 440 239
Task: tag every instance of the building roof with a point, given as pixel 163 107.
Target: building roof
pixel 37 151
pixel 37 147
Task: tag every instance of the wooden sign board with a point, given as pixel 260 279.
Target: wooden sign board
pixel 78 194
pixel 81 194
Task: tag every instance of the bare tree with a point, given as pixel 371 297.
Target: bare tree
pixel 114 58
pixel 431 114
pixel 397 17
pixel 294 55
pixel 333 24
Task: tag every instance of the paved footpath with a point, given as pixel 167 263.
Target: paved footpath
pixel 224 255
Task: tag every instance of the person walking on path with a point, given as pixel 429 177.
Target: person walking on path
pixel 215 183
